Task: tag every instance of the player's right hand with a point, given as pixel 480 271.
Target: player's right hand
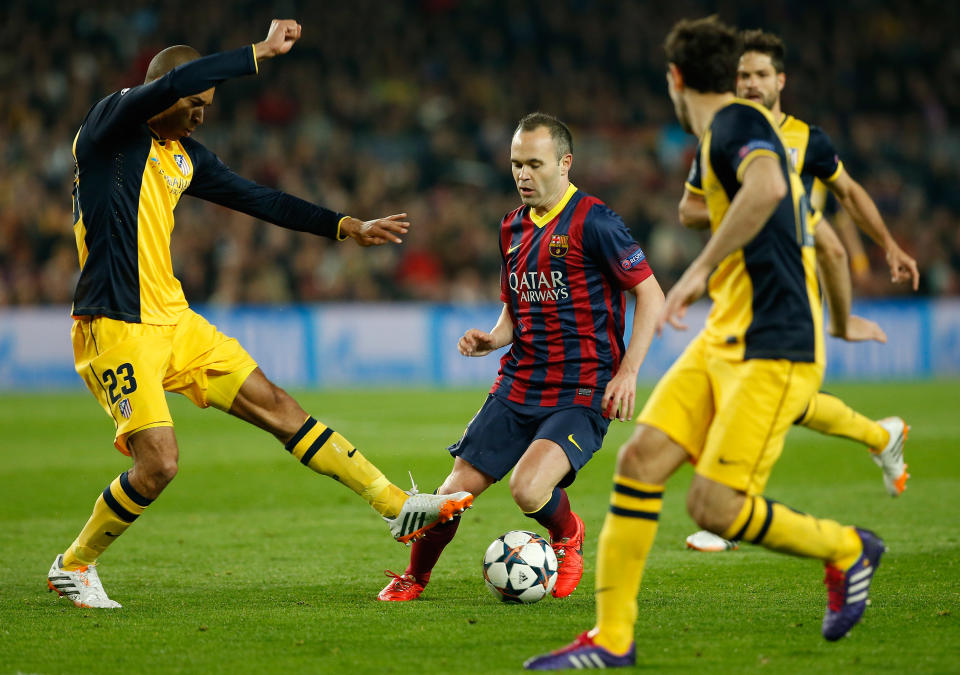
pixel 280 38
pixel 476 343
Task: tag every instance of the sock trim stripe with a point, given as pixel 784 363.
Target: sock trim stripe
pixel 739 535
pixel 131 492
pixel 633 492
pixel 548 508
pixel 303 431
pixel 633 504
pixel 115 506
pixel 766 523
pixel 631 513
pixel 316 445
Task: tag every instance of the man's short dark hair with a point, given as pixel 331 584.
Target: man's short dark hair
pixel 168 59
pixel 559 131
pixel 766 43
pixel 706 51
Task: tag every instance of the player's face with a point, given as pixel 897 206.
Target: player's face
pixel 180 119
pixel 758 80
pixel 540 176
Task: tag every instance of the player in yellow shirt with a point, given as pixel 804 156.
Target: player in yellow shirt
pixel 729 399
pixel 134 336
pixel 761 78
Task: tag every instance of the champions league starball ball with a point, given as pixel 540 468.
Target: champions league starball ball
pixel 520 567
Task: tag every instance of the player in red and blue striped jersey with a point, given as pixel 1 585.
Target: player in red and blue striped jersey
pixel 567 262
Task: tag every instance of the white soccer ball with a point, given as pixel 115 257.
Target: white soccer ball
pixel 520 566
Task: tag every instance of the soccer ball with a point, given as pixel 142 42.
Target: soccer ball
pixel 520 566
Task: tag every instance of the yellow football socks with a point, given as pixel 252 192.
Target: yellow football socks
pixel 114 511
pixel 625 540
pixel 829 415
pixel 779 528
pixel 327 452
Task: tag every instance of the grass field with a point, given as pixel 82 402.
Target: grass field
pixel 250 563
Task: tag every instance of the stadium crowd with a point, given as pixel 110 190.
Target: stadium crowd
pixel 385 107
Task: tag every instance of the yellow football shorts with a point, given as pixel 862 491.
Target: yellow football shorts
pixel 731 416
pixel 128 366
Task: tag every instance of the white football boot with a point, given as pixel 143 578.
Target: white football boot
pixel 82 586
pixel 708 542
pixel 890 458
pixel 422 512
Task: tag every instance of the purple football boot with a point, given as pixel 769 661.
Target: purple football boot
pixel 847 591
pixel 582 653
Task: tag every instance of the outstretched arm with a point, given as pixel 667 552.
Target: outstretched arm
pixel 863 210
pixel 134 106
pixel 620 396
pixel 214 182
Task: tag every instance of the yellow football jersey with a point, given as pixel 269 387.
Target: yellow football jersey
pixel 813 156
pixel 765 295
pixel 128 181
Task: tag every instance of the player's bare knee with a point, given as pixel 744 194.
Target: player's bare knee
pixel 713 510
pixel 149 477
pixel 643 456
pixel 631 453
pixel 155 459
pixel 164 472
pixel 527 496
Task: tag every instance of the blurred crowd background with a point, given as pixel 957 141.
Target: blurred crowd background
pixel 392 106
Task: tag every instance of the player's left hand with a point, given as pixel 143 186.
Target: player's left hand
pixel 902 267
pixel 686 291
pixel 860 330
pixel 620 396
pixel 375 232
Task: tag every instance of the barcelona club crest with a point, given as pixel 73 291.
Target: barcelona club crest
pixel 559 245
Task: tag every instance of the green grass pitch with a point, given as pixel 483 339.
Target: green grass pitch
pixel 249 563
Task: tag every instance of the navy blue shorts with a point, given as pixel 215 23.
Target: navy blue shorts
pixel 502 430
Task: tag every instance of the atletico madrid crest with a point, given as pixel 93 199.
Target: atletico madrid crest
pixel 182 164
pixel 559 245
